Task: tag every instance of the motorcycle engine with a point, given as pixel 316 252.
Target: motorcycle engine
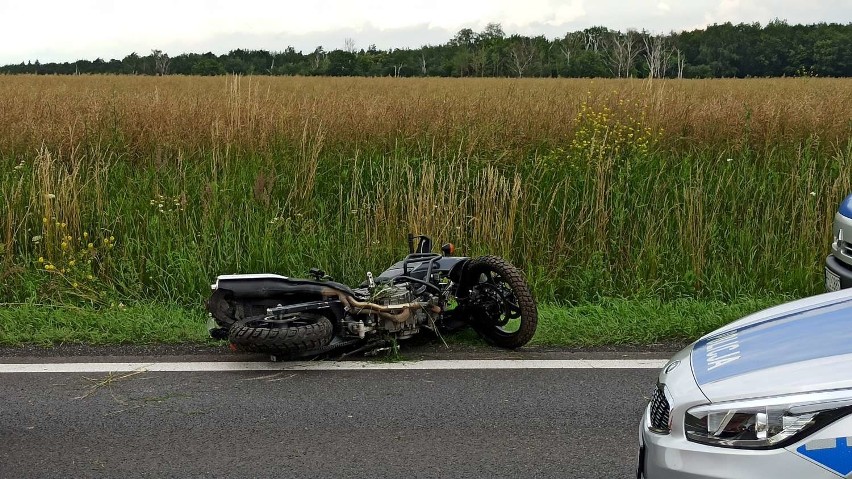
pixel 394 295
pixel 405 325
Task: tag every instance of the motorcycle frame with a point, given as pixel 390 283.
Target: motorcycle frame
pixel 305 294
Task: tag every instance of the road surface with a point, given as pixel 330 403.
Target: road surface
pixel 443 423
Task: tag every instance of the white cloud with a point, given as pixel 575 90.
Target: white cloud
pixel 568 13
pixel 736 11
pixel 64 30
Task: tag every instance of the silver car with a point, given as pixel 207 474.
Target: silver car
pixel 768 396
pixel 838 265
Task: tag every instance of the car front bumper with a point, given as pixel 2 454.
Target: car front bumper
pixel 672 456
pixel 841 270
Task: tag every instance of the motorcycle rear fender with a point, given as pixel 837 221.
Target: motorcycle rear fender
pixel 273 285
pixel 239 281
pixel 276 289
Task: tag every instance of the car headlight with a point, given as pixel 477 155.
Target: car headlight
pixel 765 423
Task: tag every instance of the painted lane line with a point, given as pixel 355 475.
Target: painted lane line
pixel 335 366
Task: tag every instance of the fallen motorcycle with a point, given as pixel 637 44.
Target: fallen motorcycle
pixel 287 317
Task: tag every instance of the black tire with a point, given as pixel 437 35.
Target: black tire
pixel 517 302
pixel 311 333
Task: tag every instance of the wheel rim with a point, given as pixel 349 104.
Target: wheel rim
pixel 494 303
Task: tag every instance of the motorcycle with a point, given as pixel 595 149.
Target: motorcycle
pixel 290 318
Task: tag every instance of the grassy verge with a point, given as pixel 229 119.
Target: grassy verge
pixel 607 322
pixel 139 324
pixel 645 321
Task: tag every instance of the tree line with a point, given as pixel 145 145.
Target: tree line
pixel 720 50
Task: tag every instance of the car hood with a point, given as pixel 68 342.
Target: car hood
pixel 801 346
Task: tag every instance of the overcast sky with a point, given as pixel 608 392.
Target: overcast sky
pixel 67 30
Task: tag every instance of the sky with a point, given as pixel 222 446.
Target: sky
pixel 64 30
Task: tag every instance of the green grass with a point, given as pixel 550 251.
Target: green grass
pixel 137 324
pixel 608 322
pixel 646 225
pixel 641 321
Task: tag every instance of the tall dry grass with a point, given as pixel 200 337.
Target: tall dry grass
pixel 499 117
pixel 714 188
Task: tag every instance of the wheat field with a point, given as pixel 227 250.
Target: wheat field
pixel 121 189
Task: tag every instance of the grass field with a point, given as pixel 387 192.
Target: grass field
pixel 138 191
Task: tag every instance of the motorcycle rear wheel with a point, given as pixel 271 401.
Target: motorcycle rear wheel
pixel 500 303
pixel 311 332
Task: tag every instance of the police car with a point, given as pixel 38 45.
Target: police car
pixel 768 396
pixel 838 265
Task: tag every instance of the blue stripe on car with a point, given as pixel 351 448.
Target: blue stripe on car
pixel 814 333
pixel 837 458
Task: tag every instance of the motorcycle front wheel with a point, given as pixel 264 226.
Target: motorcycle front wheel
pixel 309 333
pixel 499 302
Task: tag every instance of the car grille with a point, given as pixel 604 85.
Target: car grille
pixel 659 412
pixel 846 248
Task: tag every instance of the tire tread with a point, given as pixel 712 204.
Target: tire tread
pixel 526 302
pixel 289 341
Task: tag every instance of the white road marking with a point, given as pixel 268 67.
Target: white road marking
pixel 335 366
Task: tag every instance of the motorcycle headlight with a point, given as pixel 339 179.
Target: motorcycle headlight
pixel 765 423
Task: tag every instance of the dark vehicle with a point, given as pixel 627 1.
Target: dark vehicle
pixel 439 292
pixel 838 265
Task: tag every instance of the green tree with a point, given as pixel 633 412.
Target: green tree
pixel 208 67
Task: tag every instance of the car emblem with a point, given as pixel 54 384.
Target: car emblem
pixel 670 366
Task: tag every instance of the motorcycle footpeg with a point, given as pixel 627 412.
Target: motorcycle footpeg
pixel 372 346
pixel 377 351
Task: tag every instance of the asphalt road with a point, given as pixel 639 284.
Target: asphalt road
pixel 579 423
